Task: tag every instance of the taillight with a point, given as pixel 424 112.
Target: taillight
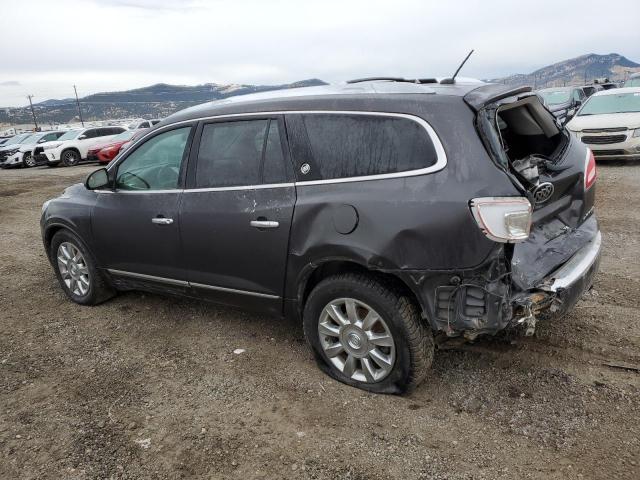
pixel 503 219
pixel 590 173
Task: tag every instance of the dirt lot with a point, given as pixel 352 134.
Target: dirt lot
pixel 149 387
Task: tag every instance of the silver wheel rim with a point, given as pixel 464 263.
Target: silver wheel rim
pixel 356 340
pixel 29 161
pixel 73 269
pixel 70 158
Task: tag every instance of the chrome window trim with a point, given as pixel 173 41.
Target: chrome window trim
pixel 183 283
pixel 441 156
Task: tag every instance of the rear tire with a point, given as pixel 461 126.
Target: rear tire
pixel 70 158
pixel 76 270
pixel 336 327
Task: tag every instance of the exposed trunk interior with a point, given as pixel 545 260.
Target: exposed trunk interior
pixel 529 136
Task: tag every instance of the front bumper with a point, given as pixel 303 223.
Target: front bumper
pixel 628 149
pixel 12 160
pixel 52 156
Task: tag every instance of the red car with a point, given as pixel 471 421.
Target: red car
pixel 105 152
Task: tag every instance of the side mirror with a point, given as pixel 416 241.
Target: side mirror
pixel 82 137
pixel 97 179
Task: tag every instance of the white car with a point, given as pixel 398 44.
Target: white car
pixel 24 156
pixel 73 146
pixel 609 123
pixel 10 149
pixel 143 124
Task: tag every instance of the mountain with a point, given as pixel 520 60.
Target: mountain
pixel 575 71
pixel 154 101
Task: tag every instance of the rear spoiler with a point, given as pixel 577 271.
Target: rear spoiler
pixel 490 93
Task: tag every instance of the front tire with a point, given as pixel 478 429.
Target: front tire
pixel 70 158
pixel 28 160
pixel 76 270
pixel 367 334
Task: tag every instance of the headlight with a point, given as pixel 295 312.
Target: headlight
pixel 636 132
pixel 45 205
pixel 53 145
pixel 12 151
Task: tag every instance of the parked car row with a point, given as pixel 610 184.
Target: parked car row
pixel 69 147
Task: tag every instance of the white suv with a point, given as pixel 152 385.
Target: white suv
pixel 72 147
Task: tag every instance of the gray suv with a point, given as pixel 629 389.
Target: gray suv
pixel 386 215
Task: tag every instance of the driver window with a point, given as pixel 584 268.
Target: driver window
pixel 155 165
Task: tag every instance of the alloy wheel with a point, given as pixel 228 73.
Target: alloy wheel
pixel 356 340
pixel 73 269
pixel 28 160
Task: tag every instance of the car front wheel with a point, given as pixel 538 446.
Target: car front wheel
pixel 368 335
pixel 28 161
pixel 76 270
pixel 70 158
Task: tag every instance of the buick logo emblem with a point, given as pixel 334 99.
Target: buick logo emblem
pixel 543 192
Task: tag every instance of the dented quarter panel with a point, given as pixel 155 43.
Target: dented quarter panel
pixel 414 227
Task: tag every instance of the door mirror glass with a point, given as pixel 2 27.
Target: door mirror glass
pixel 97 179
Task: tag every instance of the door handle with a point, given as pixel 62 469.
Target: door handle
pixel 264 224
pixel 162 221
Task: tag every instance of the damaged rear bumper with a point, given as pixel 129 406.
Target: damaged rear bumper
pixel 560 291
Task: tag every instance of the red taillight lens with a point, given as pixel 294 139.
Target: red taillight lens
pixel 590 173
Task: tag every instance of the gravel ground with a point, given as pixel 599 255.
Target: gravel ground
pixel 149 387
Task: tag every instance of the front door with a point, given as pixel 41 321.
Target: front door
pixel 136 225
pixel 236 212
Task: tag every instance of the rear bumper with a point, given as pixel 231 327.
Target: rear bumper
pixel 579 267
pixel 559 292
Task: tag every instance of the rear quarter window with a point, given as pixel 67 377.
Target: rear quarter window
pixel 357 145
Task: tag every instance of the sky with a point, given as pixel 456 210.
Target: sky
pixel 109 45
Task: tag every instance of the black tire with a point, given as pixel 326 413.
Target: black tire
pixel 70 158
pixel 413 339
pixel 28 160
pixel 99 289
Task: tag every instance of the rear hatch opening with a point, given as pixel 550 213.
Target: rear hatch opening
pixel 547 165
pixel 530 138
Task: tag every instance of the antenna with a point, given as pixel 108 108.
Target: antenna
pixel 452 80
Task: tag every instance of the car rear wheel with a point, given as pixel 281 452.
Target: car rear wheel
pixel 76 270
pixel 368 335
pixel 70 158
pixel 28 161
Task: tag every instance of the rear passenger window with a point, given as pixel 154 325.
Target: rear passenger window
pixel 343 146
pixel 240 153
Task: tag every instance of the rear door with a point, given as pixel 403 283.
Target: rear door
pixel 236 212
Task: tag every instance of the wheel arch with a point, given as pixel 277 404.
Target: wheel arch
pixel 317 272
pixel 66 149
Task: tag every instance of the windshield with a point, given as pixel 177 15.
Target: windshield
pixel 32 139
pixel 617 103
pixel 17 139
pixel 70 135
pixel 124 136
pixel 554 97
pixel 633 82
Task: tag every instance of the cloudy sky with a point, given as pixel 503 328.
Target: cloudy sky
pixel 48 46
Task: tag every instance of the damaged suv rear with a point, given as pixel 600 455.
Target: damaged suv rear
pixel 383 214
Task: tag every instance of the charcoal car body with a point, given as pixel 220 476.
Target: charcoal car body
pixel 382 214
